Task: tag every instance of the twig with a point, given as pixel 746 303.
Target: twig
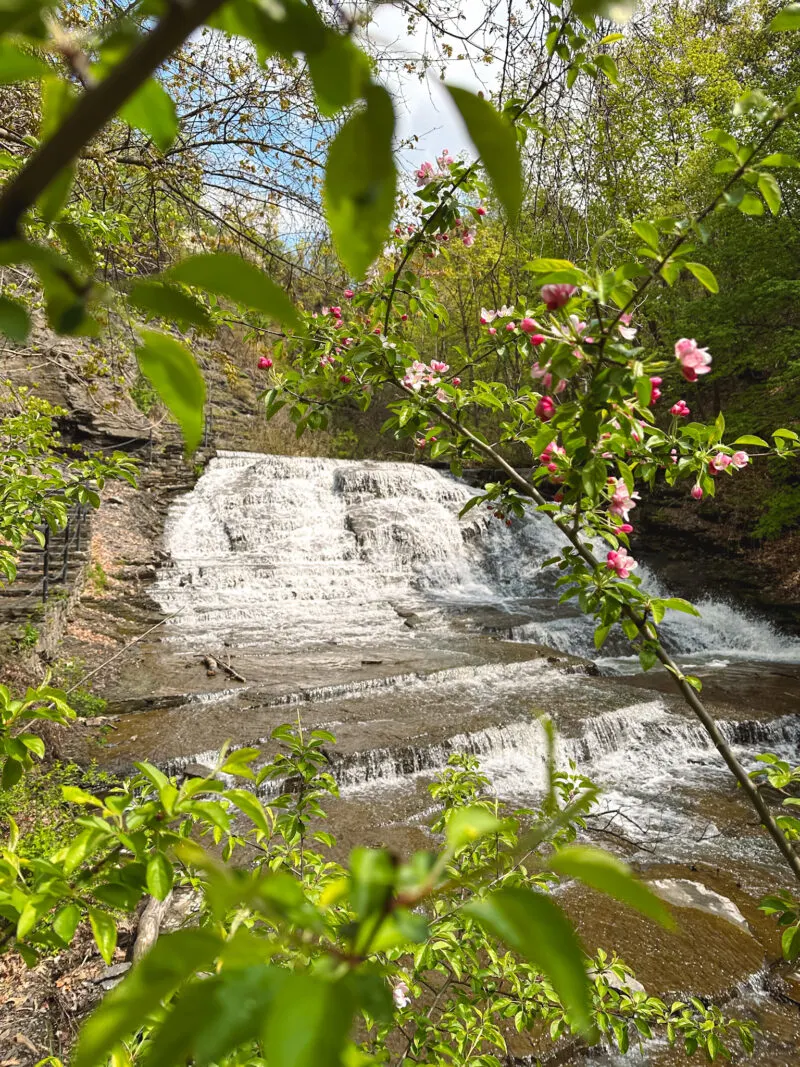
pixel 125 648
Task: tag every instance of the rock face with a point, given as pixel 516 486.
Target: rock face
pixel 685 894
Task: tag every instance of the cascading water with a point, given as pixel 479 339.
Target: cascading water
pixel 296 550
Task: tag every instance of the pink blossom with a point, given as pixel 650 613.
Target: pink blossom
pixel 693 360
pixel 336 312
pixel 348 294
pixel 327 361
pixel 680 410
pixel 492 331
pixel 720 461
pixel 445 159
pixel 404 318
pixel 673 455
pixel 510 326
pixel 438 367
pixel 696 493
pixel 529 325
pixel 621 562
pixel 400 994
pixel 264 363
pixel 626 331
pixel 424 174
pixel 622 501
pixel 377 329
pixel 556 296
pixel 345 379
pixel 655 392
pixel 456 381
pixel 537 339
pixel 338 324
pixel 624 527
pixel 545 409
pixel 740 460
pixel 443 397
pixel 468 240
pixel 347 341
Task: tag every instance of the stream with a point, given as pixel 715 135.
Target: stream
pixel 351 593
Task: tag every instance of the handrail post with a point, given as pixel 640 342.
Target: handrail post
pixel 46 578
pixel 65 560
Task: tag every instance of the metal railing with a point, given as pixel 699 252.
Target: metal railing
pixel 56 557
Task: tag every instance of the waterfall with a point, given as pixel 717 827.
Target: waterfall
pixel 286 553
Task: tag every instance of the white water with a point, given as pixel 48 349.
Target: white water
pixel 287 552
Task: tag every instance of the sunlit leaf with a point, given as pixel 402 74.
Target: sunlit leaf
pixel 308 1022
pixel 470 824
pixel 104 928
pixel 159 876
pixel 171 369
pixel 361 182
pixel 152 110
pixel 18 65
pixel 232 277
pixel 15 322
pixel 496 143
pixel 704 276
pixel 787 19
pixel 531 924
pixel 611 876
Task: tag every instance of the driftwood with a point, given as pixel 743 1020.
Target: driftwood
pixel 230 670
pixel 150 924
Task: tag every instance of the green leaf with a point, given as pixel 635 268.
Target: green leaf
pixel 169 302
pixel 172 959
pixel 787 19
pixel 105 932
pixel 340 72
pixel 160 876
pixel 232 277
pixel 780 159
pixel 611 876
pixel 58 97
pixel 372 877
pixel 546 266
pixel 751 205
pixel 723 139
pixel 608 67
pixel 152 110
pixel 18 65
pixel 771 191
pixel 470 824
pixel 361 182
pixel 496 142
pixel 704 276
pixel 250 806
pixel 15 322
pixel 749 439
pixel 678 604
pixel 66 922
pixel 618 11
pixel 790 942
pixel 175 376
pixel 309 1022
pixel 533 925
pixel 648 233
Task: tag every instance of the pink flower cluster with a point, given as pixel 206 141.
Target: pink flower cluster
pixel 488 316
pixel 718 463
pixel 694 360
pixel 419 374
pixel 621 562
pixel 622 501
pixel 550 455
pixel 680 410
pixel 264 363
pixel 626 331
pixel 655 392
